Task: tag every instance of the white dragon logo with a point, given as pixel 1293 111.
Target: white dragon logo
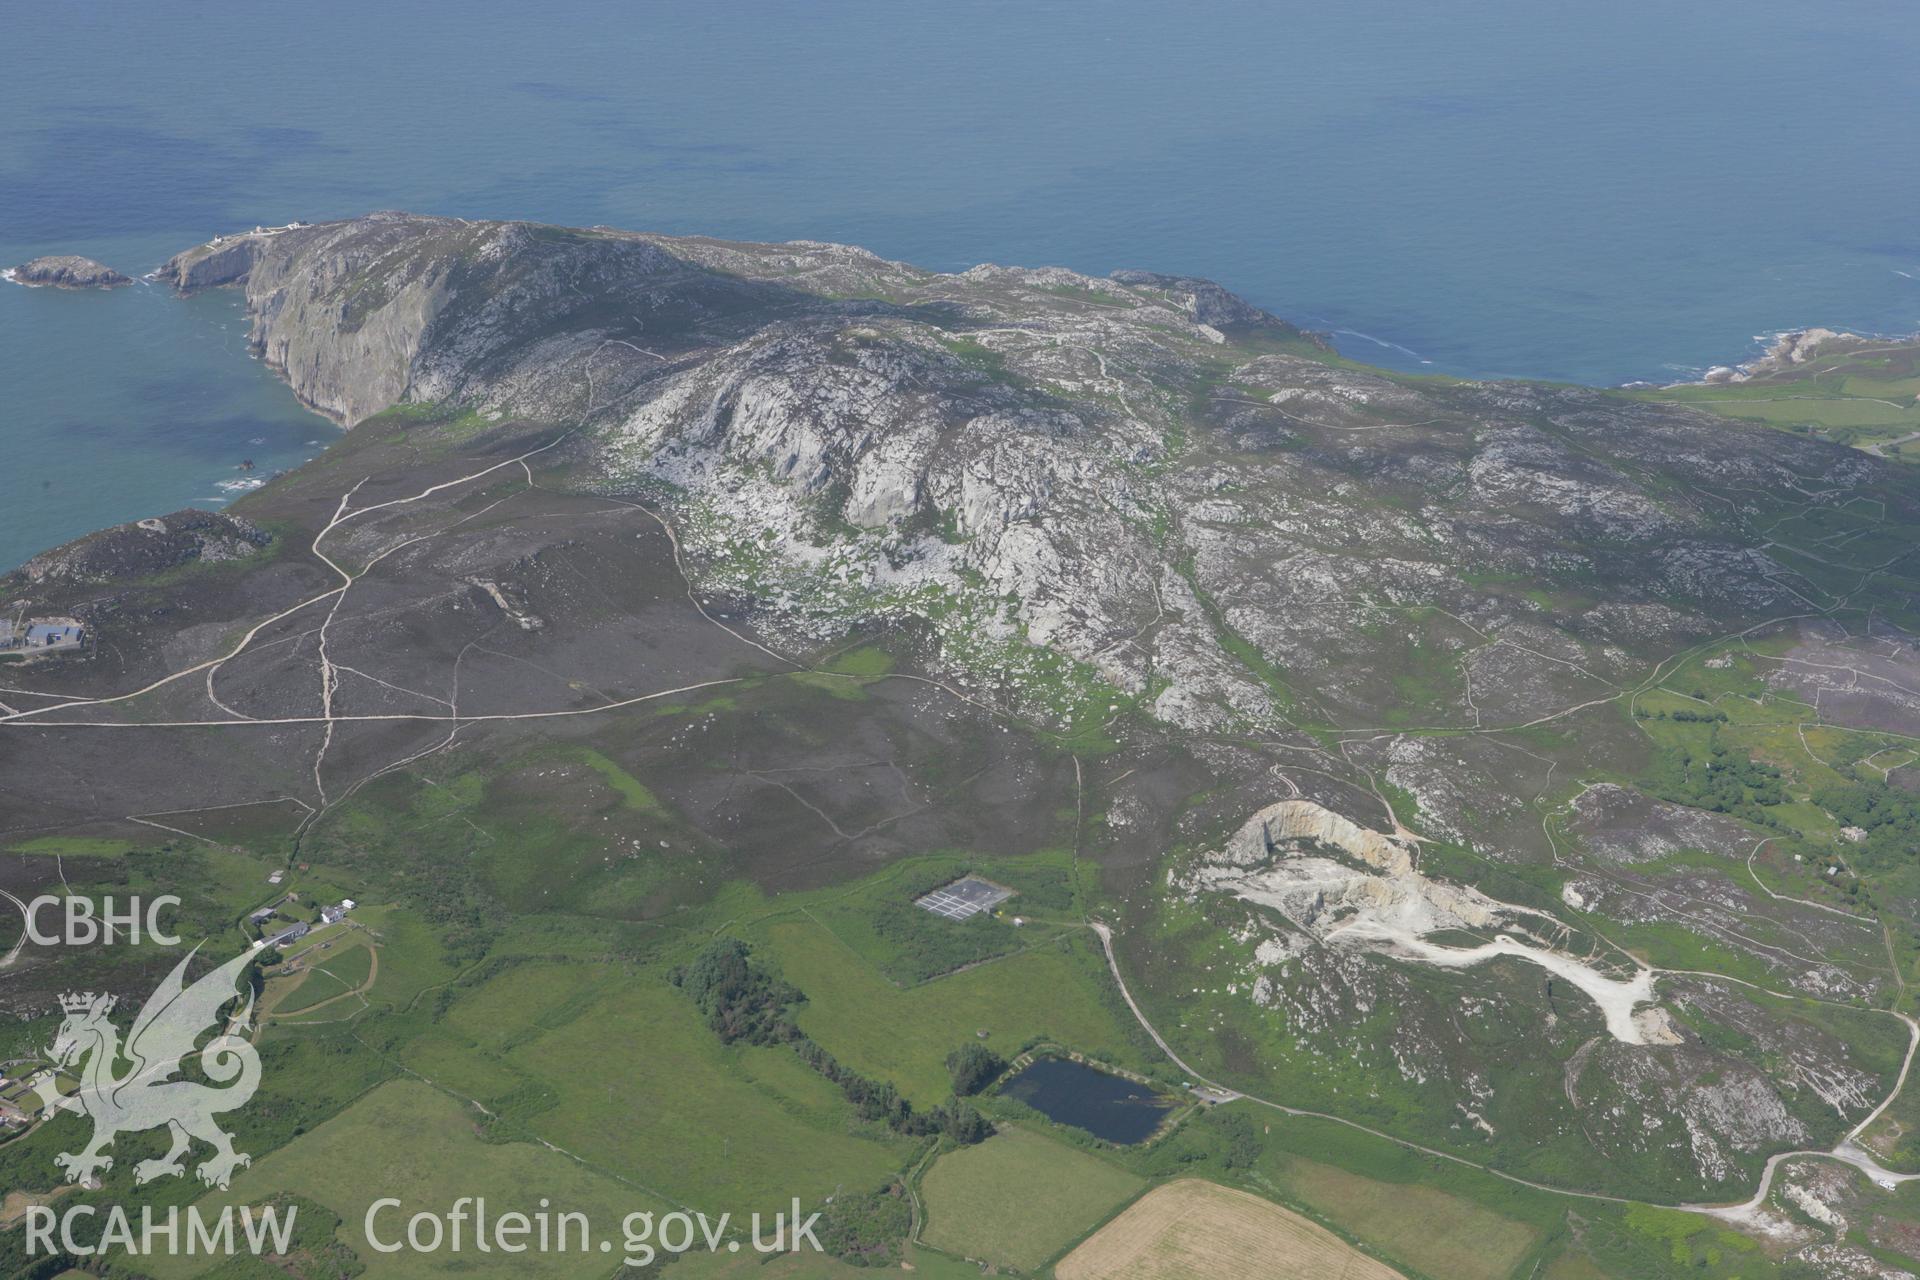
pixel 146 1096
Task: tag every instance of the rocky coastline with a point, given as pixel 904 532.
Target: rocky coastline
pixel 1784 353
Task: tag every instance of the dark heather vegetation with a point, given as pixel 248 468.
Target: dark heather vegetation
pixel 743 1002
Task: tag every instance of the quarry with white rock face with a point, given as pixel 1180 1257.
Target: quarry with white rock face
pixel 1448 758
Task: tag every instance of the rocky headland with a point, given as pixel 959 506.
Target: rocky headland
pixel 1126 555
pixel 1090 491
pixel 1788 352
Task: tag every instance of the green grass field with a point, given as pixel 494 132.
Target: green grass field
pixel 412 959
pixel 409 1141
pixel 639 1085
pixel 875 917
pixel 1438 1233
pixel 1019 1198
pixel 454 1062
pixel 71 847
pixel 1055 990
pixel 1854 400
pixel 332 974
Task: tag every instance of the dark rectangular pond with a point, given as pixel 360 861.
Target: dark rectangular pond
pixel 1105 1105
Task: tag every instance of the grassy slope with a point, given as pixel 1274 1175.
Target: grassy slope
pixel 1054 991
pixel 637 1085
pixel 408 1141
pixel 1868 396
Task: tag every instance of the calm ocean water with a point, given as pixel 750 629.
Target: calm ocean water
pixel 1487 187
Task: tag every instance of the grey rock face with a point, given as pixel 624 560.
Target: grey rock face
pixel 1091 493
pixel 363 315
pixel 67 271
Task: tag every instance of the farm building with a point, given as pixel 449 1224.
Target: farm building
pixel 292 933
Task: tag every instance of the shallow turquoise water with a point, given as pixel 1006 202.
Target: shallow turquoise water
pixel 1488 187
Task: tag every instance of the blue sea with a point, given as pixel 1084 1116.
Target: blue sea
pixel 1595 193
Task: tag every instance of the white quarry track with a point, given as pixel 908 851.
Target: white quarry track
pixel 1617 999
pixel 1750 1212
pixel 1380 901
pixel 1390 907
pixel 1222 1093
pixel 1746 1214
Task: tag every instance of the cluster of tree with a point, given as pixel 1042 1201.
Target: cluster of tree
pixel 867 1230
pixel 741 1000
pixel 872 1099
pixel 1889 816
pixel 744 1002
pixel 1684 715
pixel 1244 1142
pixel 973 1067
pixel 879 1101
pixel 1720 779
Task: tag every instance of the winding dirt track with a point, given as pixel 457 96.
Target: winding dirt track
pixel 1847 1150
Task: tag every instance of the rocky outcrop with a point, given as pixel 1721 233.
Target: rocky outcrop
pixel 1328 875
pixel 1205 301
pixel 1340 884
pixel 130 551
pixel 1084 491
pixel 67 271
pixel 1786 353
pixel 1294 822
pixel 359 316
